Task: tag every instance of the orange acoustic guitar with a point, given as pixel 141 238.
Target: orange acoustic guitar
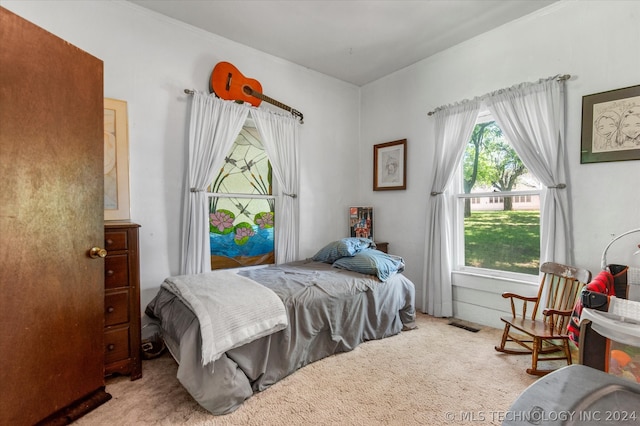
pixel 228 83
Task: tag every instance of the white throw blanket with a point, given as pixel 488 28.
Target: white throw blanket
pixel 232 310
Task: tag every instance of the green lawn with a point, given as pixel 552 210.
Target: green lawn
pixel 503 240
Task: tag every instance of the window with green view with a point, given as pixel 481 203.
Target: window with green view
pixel 499 205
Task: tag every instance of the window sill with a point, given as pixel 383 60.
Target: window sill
pixel 492 281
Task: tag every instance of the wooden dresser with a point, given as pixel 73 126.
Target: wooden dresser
pixel 122 300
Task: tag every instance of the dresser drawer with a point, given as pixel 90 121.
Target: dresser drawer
pixel 116 271
pixel 116 344
pixel 115 240
pixel 116 308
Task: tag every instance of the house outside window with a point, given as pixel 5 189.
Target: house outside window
pixel 242 207
pixel 498 207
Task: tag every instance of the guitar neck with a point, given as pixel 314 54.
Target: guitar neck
pixel 272 101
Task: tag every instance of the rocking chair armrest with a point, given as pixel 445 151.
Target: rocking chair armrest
pixel 548 312
pixel 507 295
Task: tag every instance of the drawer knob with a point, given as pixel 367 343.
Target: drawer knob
pixel 109 272
pixel 111 347
pixel 97 252
pixel 110 309
pixel 109 241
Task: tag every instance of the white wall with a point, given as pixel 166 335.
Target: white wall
pixel 597 42
pixel 148 61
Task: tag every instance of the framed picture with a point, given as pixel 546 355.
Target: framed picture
pixel 389 165
pixel 611 126
pixel 116 160
pixel 361 222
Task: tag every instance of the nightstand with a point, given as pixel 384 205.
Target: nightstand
pixel 382 246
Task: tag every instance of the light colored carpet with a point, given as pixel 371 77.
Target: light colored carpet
pixel 435 375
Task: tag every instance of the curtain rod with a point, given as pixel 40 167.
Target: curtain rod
pixel 293 112
pixel 559 78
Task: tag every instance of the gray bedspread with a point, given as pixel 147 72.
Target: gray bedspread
pixel 329 310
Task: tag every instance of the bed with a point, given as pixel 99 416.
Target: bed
pixel 328 308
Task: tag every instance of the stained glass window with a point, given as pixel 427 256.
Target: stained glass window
pixel 241 206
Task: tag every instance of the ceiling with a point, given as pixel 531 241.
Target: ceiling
pixel 354 41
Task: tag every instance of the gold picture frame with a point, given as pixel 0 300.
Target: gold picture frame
pixel 611 126
pixel 390 165
pixel 116 160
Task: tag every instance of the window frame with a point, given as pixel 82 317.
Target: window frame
pixel 458 197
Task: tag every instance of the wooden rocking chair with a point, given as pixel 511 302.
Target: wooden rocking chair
pixel 559 289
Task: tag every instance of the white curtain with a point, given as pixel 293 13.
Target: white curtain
pixel 280 139
pixel 531 115
pixel 453 128
pixel 214 126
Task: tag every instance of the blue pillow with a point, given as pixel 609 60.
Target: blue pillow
pixel 341 248
pixel 372 262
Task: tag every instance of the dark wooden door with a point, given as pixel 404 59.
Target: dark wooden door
pixel 51 214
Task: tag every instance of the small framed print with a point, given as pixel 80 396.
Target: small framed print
pixel 116 160
pixel 611 126
pixel 390 165
pixel 361 222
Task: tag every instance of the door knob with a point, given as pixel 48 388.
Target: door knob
pixel 97 252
